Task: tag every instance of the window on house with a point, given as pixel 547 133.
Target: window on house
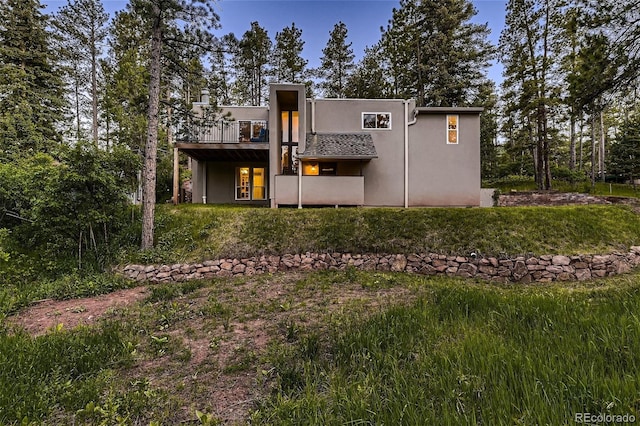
pixel 315 168
pixel 289 142
pixel 252 130
pixel 251 183
pixel 243 183
pixel 310 168
pixel 259 187
pixel 452 129
pixel 376 120
pixel 328 169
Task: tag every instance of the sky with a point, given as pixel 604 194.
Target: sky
pixel 316 19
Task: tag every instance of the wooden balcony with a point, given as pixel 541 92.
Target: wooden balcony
pixel 242 140
pixel 222 132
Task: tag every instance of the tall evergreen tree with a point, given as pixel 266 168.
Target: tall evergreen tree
pixel 251 60
pixel 526 50
pixel 172 24
pixel 436 55
pixel 369 79
pixel 124 102
pixel 82 26
pixel 624 159
pixel 288 65
pixel 221 70
pixel 31 90
pixel 488 130
pixel 336 62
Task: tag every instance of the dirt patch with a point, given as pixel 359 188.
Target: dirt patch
pixel 217 336
pixel 48 314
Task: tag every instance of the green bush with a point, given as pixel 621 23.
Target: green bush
pixel 63 213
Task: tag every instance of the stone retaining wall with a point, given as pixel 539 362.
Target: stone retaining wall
pixel 519 269
pixel 552 198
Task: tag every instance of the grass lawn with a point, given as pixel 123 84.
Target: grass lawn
pixel 197 232
pixel 344 347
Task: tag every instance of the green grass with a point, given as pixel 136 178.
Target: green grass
pixel 58 371
pixel 196 232
pixel 466 354
pixel 17 295
pixel 348 347
pixel 344 347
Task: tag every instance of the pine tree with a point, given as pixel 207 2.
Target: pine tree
pixel 82 27
pixel 526 48
pixel 336 62
pixel 435 54
pixel 221 70
pixel 369 79
pixel 251 58
pixel 288 65
pixel 624 158
pixel 173 25
pixel 124 102
pixel 488 130
pixel 32 101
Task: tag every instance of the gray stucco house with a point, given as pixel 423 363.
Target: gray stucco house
pixel 336 152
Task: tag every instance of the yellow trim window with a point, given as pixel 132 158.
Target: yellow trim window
pixel 310 168
pixel 251 183
pixel 452 129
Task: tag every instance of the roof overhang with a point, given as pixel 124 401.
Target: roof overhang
pixel 226 151
pixel 336 157
pixel 339 147
pixel 449 110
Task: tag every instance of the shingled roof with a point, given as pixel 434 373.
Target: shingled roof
pixel 339 146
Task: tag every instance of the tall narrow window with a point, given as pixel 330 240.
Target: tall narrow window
pixel 289 142
pixel 259 188
pixel 251 183
pixel 452 129
pixel 242 184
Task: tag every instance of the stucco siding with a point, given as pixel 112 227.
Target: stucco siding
pixel 196 187
pixel 442 174
pixel 321 190
pixel 286 190
pixel 221 183
pixel 244 113
pixel 384 183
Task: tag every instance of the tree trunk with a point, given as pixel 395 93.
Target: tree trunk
pixel 593 150
pixel 602 147
pixel 546 150
pixel 151 146
pixel 540 174
pixel 572 141
pixel 94 86
pixel 77 94
pixel 581 157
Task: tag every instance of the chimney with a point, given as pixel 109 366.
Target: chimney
pixel 204 96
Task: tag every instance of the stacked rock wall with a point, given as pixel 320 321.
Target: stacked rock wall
pixel 552 198
pixel 519 269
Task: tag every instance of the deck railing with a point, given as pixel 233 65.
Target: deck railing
pixel 222 131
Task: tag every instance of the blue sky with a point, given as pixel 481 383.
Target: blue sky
pixel 316 19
